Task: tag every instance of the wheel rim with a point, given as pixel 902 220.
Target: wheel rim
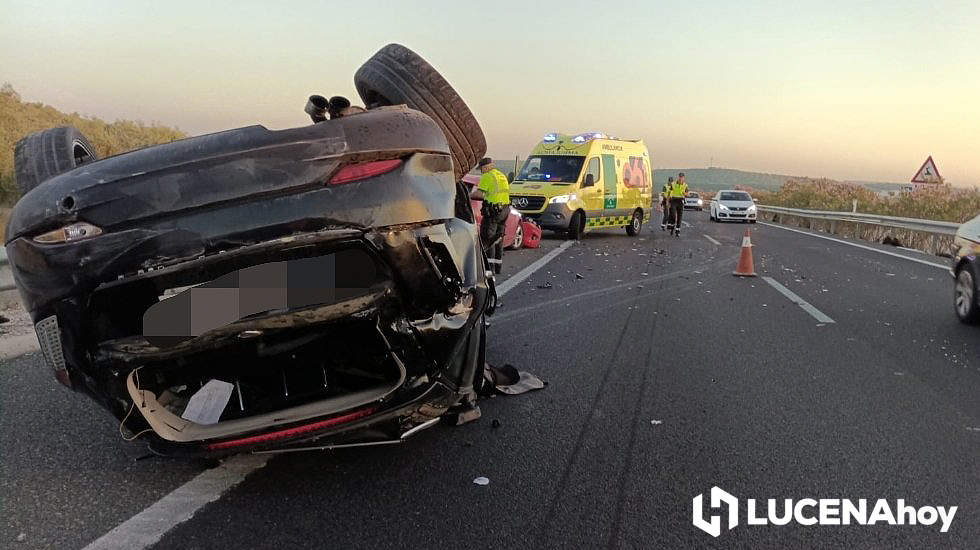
pixel 518 237
pixel 636 222
pixel 964 293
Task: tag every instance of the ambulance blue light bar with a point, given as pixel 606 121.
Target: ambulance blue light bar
pixel 582 138
pixel 550 138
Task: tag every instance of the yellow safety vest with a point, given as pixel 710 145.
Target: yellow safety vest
pixel 678 190
pixel 495 187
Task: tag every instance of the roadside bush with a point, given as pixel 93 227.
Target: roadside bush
pixel 20 118
pixel 945 203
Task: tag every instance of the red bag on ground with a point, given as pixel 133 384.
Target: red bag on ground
pixel 532 234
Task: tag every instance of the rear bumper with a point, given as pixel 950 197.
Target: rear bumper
pixel 430 293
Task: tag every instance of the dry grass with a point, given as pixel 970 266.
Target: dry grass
pixel 19 118
pixel 944 204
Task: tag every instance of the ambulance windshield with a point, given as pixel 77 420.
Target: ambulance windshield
pixel 552 168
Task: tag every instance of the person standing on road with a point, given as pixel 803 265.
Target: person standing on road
pixel 677 193
pixel 665 203
pixel 494 191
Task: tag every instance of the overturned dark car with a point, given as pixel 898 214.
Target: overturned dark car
pixel 257 290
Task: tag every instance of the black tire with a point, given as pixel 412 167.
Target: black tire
pixel 636 223
pixel 751 221
pixel 45 154
pixel 965 295
pixel 396 75
pixel 576 226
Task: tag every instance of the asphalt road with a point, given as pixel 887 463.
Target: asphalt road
pixel 667 376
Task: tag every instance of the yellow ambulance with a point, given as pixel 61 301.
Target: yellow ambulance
pixel 577 183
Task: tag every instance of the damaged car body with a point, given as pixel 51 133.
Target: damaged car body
pixel 329 276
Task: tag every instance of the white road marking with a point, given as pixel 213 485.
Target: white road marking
pixel 816 313
pixel 148 527
pixel 871 248
pixel 685 224
pixel 712 240
pixel 520 276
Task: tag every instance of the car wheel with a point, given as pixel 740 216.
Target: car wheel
pixel 45 154
pixel 396 75
pixel 576 226
pixel 636 223
pixel 518 238
pixel 751 221
pixel 965 295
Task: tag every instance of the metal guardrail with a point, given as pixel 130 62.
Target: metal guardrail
pixel 925 226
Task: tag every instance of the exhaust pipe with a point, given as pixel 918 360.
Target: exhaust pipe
pixel 317 107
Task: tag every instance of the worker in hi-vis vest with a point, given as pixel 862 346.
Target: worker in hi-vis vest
pixel 494 191
pixel 676 194
pixel 665 202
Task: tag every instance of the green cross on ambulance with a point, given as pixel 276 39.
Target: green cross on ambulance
pixel 574 184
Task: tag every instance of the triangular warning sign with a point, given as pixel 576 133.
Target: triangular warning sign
pixel 928 173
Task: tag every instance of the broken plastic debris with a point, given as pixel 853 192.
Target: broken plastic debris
pixel 579 276
pixel 656 422
pixel 207 403
pixel 547 285
pixel 482 481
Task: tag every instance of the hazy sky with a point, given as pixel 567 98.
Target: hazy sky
pixel 848 90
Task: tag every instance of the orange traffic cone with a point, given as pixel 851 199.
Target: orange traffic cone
pixel 745 267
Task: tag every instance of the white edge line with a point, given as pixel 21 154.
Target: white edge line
pixel 816 313
pixel 149 526
pixel 15 346
pixel 712 240
pixel 871 248
pixel 523 274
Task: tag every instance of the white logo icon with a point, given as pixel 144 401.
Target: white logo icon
pixel 718 497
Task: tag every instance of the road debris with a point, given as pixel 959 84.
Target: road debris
pixel 656 422
pixel 508 380
pixel 482 481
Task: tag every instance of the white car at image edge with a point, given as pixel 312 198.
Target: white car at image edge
pixel 732 205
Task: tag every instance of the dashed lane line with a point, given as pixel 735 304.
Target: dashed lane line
pixel 816 313
pixel 712 240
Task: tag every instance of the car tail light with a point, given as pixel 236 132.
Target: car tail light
pixel 292 432
pixel 363 170
pixel 69 233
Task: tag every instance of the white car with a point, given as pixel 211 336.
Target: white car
pixel 693 201
pixel 732 205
